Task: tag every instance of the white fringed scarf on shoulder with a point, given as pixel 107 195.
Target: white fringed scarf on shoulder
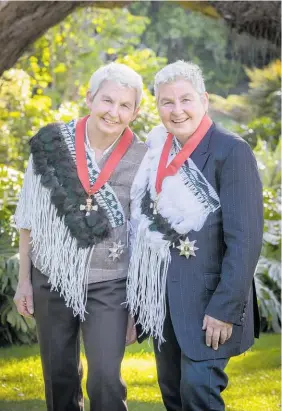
pixel 55 251
pixel 150 259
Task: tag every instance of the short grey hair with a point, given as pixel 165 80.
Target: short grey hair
pixel 119 73
pixel 181 69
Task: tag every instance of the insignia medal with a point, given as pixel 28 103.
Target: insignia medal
pixel 116 250
pixel 88 207
pixel 187 248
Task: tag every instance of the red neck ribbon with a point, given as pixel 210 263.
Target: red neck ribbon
pixel 186 151
pixel 111 163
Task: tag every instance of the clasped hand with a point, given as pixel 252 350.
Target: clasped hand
pixel 216 331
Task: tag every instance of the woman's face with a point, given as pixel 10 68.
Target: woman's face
pixel 112 109
pixel 181 108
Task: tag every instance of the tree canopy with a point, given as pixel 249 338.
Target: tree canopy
pixel 24 22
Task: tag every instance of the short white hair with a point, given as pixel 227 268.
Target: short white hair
pixel 119 73
pixel 181 69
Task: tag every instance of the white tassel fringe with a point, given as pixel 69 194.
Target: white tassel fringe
pixel 146 284
pixel 55 250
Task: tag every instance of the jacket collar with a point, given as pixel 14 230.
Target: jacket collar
pixel 202 153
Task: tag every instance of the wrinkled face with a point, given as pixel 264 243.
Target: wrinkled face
pixel 181 108
pixel 112 108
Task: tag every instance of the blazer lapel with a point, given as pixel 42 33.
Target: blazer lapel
pixel 201 154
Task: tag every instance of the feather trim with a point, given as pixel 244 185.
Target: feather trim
pixel 54 164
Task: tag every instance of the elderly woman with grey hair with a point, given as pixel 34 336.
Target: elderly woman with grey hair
pixel 73 216
pixel 197 203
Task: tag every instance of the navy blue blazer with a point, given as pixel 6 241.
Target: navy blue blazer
pixel 219 280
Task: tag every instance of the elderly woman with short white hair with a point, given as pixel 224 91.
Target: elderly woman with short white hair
pixel 73 216
pixel 197 202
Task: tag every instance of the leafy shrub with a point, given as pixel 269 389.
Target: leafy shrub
pixel 14 329
pixel 268 272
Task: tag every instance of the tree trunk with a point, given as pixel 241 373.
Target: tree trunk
pixel 22 22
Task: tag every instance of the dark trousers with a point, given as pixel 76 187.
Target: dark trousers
pixel 103 332
pixel 188 385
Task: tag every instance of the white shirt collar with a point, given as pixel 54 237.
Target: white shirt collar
pixel 92 150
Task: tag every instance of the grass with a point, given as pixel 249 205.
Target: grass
pixel 254 383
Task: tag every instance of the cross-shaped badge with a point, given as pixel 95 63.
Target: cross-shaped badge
pixel 88 206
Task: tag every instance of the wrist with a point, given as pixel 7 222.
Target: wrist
pixel 24 277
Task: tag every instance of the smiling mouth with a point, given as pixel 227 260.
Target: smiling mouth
pixel 179 121
pixel 109 121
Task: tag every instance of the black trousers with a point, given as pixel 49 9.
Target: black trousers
pixel 188 385
pixel 103 332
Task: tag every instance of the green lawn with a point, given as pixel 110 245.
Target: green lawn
pixel 254 379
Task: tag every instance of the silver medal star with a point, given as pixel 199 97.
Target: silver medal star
pixel 187 247
pixel 116 251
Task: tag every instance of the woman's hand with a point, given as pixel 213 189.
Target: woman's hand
pixel 24 295
pixel 217 332
pixel 131 335
pixel 24 298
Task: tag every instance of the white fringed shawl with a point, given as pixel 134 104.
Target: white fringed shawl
pixel 55 251
pixel 184 208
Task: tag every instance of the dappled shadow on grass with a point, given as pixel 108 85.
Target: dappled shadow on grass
pixel 16 351
pixel 15 379
pixel 145 406
pixel 132 406
pixel 36 405
pixel 142 384
pixel 253 361
pixel 23 405
pixel 145 347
